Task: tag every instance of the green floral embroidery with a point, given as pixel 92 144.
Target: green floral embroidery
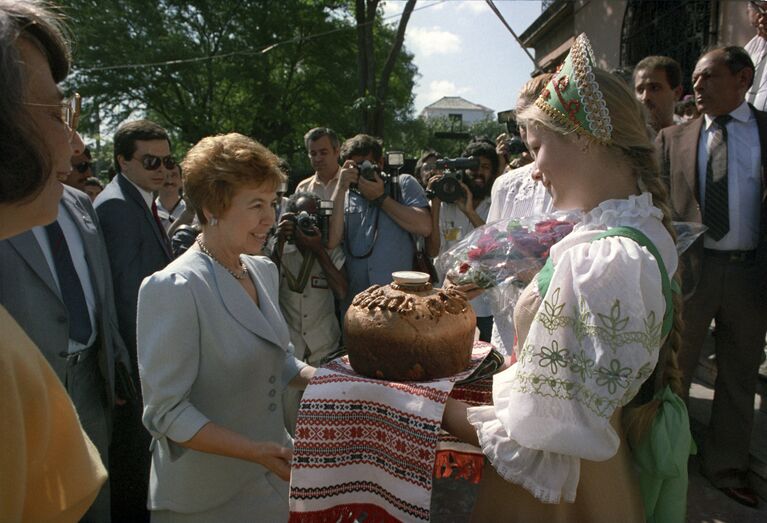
pixel 653 327
pixel 582 366
pixel 551 316
pixel 595 388
pixel 614 376
pixel 575 389
pixel 645 372
pixel 547 386
pixel 553 357
pixel 614 323
pixel 610 328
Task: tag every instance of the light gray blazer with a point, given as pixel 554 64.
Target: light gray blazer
pixel 206 352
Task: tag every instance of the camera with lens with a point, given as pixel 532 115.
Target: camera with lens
pixel 368 170
pixel 306 222
pixel 448 187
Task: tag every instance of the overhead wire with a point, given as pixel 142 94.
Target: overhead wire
pixel 497 12
pixel 263 50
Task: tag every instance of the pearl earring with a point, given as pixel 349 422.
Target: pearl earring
pixel 213 221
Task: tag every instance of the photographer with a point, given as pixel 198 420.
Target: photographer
pixel 452 221
pixel 310 278
pixel 375 218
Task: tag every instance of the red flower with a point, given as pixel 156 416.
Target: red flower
pixel 475 253
pixel 464 267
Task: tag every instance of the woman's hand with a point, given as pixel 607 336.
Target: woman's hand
pixel 275 458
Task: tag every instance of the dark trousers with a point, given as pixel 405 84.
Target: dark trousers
pixel 85 385
pixel 485 326
pixel 129 464
pixel 731 293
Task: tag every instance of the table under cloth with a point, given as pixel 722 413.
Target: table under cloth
pixel 368 447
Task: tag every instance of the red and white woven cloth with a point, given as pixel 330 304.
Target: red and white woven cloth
pixel 366 447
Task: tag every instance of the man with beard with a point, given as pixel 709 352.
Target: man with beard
pixel 658 85
pixel 453 221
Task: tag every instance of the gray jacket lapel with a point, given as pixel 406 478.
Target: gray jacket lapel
pixel 89 235
pixel 29 250
pixel 242 307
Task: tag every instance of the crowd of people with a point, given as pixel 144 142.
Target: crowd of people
pixel 166 339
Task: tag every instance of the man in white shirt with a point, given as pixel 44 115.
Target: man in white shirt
pixel 452 221
pixel 757 49
pixel 714 168
pixel 323 148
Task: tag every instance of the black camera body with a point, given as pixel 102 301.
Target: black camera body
pixel 368 170
pixel 515 145
pixel 306 222
pixel 448 187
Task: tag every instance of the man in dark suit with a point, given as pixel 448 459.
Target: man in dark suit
pixel 137 247
pixel 714 168
pixel 56 282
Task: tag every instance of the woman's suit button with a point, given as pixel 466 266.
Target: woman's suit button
pixel 272 407
pixel 272 379
pixel 272 393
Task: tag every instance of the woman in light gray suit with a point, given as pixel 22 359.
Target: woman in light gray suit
pixel 214 350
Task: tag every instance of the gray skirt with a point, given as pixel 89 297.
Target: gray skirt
pixel 249 505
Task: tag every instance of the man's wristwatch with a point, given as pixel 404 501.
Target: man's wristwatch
pixel 377 202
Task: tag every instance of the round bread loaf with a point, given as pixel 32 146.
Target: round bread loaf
pixel 402 332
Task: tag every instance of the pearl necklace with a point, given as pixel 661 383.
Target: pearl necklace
pixel 243 269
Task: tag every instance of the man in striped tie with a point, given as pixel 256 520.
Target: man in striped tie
pixel 714 168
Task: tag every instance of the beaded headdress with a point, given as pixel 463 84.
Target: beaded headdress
pixel 573 97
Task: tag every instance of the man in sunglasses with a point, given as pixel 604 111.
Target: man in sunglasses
pixel 137 246
pixel 81 170
pixel 757 49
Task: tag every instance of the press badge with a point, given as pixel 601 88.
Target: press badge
pixel 319 282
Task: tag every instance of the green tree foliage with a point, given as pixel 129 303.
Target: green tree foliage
pixel 268 69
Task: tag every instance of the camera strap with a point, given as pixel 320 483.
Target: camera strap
pixel 369 251
pixel 299 284
pixel 394 191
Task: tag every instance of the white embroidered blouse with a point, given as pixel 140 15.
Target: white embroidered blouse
pixel 593 342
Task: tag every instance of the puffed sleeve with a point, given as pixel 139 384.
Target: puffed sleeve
pixel 168 336
pixel 593 342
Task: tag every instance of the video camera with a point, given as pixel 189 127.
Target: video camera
pixel 448 187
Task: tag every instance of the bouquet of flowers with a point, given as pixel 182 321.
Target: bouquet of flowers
pixel 509 251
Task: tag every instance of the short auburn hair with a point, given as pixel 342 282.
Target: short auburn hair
pixel 218 166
